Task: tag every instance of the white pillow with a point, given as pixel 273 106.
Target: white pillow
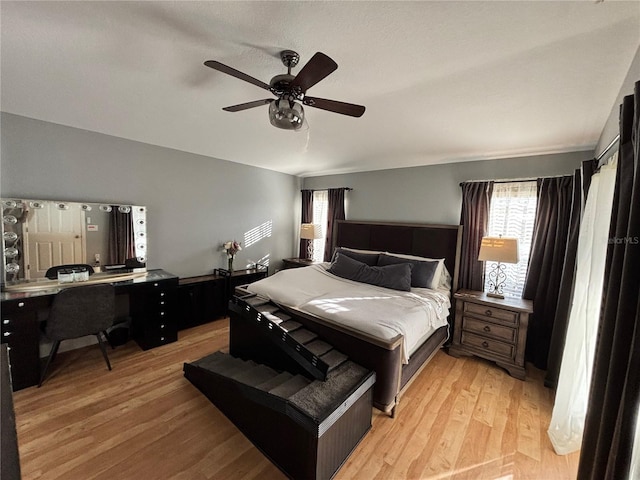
pixel 441 277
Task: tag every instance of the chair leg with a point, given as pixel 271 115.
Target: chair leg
pixel 104 350
pixel 113 347
pixel 52 354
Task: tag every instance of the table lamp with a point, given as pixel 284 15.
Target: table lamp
pixel 310 231
pixel 500 250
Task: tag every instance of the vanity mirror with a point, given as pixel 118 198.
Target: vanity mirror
pixel 39 234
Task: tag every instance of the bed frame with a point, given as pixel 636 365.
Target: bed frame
pixel 385 358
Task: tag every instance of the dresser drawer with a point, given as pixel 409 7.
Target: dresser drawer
pixel 488 329
pixel 494 313
pixel 485 344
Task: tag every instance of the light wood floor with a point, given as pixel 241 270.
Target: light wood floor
pixel 461 418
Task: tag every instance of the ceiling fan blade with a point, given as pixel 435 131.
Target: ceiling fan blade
pixel 319 67
pixel 245 106
pixel 335 106
pixel 221 67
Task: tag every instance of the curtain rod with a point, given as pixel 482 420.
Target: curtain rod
pixel 514 180
pixel 348 189
pixel 608 147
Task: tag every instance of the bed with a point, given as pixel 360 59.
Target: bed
pixel 372 332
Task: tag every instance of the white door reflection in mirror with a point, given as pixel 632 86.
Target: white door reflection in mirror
pixel 53 237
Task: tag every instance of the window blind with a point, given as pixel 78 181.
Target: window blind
pixel 512 214
pixel 320 209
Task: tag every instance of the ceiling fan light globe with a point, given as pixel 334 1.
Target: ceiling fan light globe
pixel 286 115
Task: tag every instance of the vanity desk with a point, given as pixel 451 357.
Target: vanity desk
pixel 152 307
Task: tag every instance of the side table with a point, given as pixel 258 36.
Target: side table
pixel 492 328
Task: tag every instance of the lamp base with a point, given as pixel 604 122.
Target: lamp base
pixel 497 277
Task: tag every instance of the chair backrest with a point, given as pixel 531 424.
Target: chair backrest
pixel 52 272
pixel 133 263
pixel 82 310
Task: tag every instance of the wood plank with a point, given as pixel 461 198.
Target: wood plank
pixel 529 421
pixel 461 418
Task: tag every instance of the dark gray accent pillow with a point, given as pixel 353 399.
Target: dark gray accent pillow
pixel 396 277
pixel 422 273
pixel 370 259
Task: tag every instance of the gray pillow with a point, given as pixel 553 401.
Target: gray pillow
pixel 396 277
pixel 370 259
pixel 422 273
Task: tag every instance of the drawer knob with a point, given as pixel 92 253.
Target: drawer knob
pixel 161 313
pixel 162 294
pixel 488 313
pixel 162 339
pixel 162 325
pixel 155 284
pixel 6 334
pixel 6 321
pixel 21 304
pixel 487 328
pixel 485 344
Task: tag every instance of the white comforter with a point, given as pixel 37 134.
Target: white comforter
pixel 377 311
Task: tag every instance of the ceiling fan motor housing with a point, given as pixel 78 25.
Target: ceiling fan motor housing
pixel 280 84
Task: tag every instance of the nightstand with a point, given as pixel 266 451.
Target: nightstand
pixel 492 328
pixel 296 262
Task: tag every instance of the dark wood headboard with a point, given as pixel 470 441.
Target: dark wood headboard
pixel 423 240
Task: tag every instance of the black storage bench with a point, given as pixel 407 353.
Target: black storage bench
pixel 305 405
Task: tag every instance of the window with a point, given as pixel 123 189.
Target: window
pixel 512 214
pixel 320 208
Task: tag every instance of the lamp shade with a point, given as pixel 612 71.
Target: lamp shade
pixel 310 231
pixel 499 249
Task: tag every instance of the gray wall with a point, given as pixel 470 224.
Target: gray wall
pixel 612 127
pixel 431 194
pixel 195 203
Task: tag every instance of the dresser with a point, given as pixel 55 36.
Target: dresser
pixel 492 328
pixel 202 299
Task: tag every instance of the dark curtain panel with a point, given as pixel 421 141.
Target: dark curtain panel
pixel 476 199
pixel 589 167
pixel 335 211
pixel 307 217
pixel 612 410
pixel 581 183
pixel 120 237
pixel 548 250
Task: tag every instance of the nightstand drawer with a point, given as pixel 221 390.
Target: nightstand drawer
pixel 488 329
pixel 491 312
pixel 486 344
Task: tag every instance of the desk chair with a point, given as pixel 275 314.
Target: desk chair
pixel 77 312
pixel 52 272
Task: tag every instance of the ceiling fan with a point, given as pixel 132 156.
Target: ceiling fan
pixel 291 91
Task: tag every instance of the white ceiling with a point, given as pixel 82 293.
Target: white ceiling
pixel 442 81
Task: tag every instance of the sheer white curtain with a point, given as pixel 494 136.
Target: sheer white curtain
pixel 320 209
pixel 570 407
pixel 634 472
